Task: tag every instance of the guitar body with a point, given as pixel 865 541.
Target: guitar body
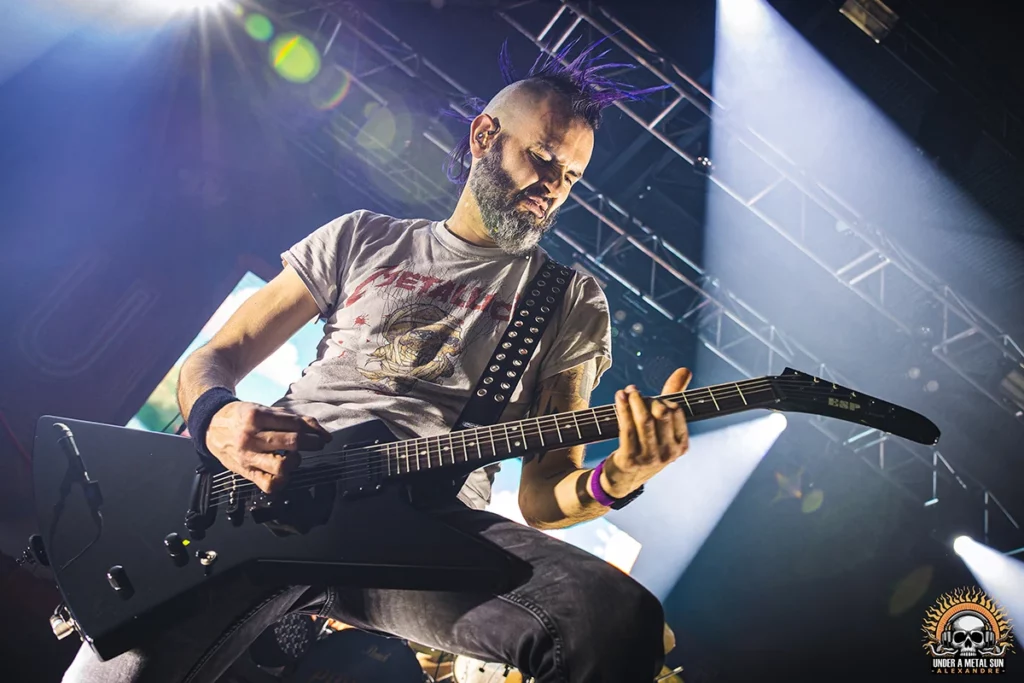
pixel 323 535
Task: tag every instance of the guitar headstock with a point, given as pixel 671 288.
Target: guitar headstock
pixel 799 392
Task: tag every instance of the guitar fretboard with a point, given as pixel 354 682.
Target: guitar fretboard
pixel 483 445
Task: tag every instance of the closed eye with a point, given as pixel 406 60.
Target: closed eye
pixel 570 177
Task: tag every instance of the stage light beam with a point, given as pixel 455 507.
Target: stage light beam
pixel 1001 577
pixel 691 495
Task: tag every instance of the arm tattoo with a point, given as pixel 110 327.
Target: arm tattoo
pixel 562 393
pixel 587 381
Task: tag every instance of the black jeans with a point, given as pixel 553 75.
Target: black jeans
pixel 576 620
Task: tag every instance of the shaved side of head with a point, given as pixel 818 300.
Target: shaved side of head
pixel 523 99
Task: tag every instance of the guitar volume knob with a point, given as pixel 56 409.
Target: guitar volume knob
pixel 175 545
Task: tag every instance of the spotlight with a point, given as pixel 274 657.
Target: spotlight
pixel 637 329
pixel 778 421
pixel 196 4
pixel 703 166
pixel 961 544
pixel 931 386
pixel 181 5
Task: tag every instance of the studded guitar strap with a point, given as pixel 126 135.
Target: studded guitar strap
pixel 537 306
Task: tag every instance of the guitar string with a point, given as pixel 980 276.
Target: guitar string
pixel 754 385
pixel 309 476
pixel 504 435
pixel 370 469
pixel 414 459
pixel 536 425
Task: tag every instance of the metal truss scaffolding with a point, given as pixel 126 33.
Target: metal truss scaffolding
pixel 671 283
pixel 877 270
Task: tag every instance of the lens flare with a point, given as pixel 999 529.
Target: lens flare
pixel 294 57
pixel 259 27
pixel 330 89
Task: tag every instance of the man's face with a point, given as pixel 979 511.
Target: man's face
pixel 528 172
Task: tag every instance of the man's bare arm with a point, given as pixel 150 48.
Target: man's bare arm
pixel 264 322
pixel 553 491
pixel 246 437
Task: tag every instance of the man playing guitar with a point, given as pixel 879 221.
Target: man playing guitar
pixel 412 310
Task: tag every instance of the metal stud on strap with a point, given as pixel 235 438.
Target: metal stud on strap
pixel 514 351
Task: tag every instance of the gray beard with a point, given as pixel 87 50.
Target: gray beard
pixel 514 231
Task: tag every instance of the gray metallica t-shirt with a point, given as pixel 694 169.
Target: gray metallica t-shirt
pixel 412 313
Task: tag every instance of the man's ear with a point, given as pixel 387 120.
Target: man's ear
pixel 481 134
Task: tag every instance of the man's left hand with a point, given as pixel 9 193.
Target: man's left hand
pixel 652 434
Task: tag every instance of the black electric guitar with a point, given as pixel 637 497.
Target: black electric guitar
pixel 137 537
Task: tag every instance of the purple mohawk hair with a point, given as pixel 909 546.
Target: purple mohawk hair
pixel 580 79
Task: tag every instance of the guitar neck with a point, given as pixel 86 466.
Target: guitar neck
pixel 483 445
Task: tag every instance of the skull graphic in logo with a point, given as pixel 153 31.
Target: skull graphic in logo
pixel 422 345
pixel 969 634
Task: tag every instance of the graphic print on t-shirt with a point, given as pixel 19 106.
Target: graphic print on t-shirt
pixel 422 330
pixel 422 343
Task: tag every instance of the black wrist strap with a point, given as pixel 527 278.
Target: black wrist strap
pixel 199 418
pixel 538 304
pixel 623 502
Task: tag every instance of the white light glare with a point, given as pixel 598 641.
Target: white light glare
pixel 962 545
pixel 1000 576
pixel 778 421
pixel 743 17
pixel 179 5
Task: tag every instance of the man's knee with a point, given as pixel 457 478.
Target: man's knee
pixel 633 614
pixel 619 615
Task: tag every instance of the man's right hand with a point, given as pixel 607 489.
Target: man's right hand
pixel 248 438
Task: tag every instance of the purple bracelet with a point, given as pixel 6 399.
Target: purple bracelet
pixel 597 491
